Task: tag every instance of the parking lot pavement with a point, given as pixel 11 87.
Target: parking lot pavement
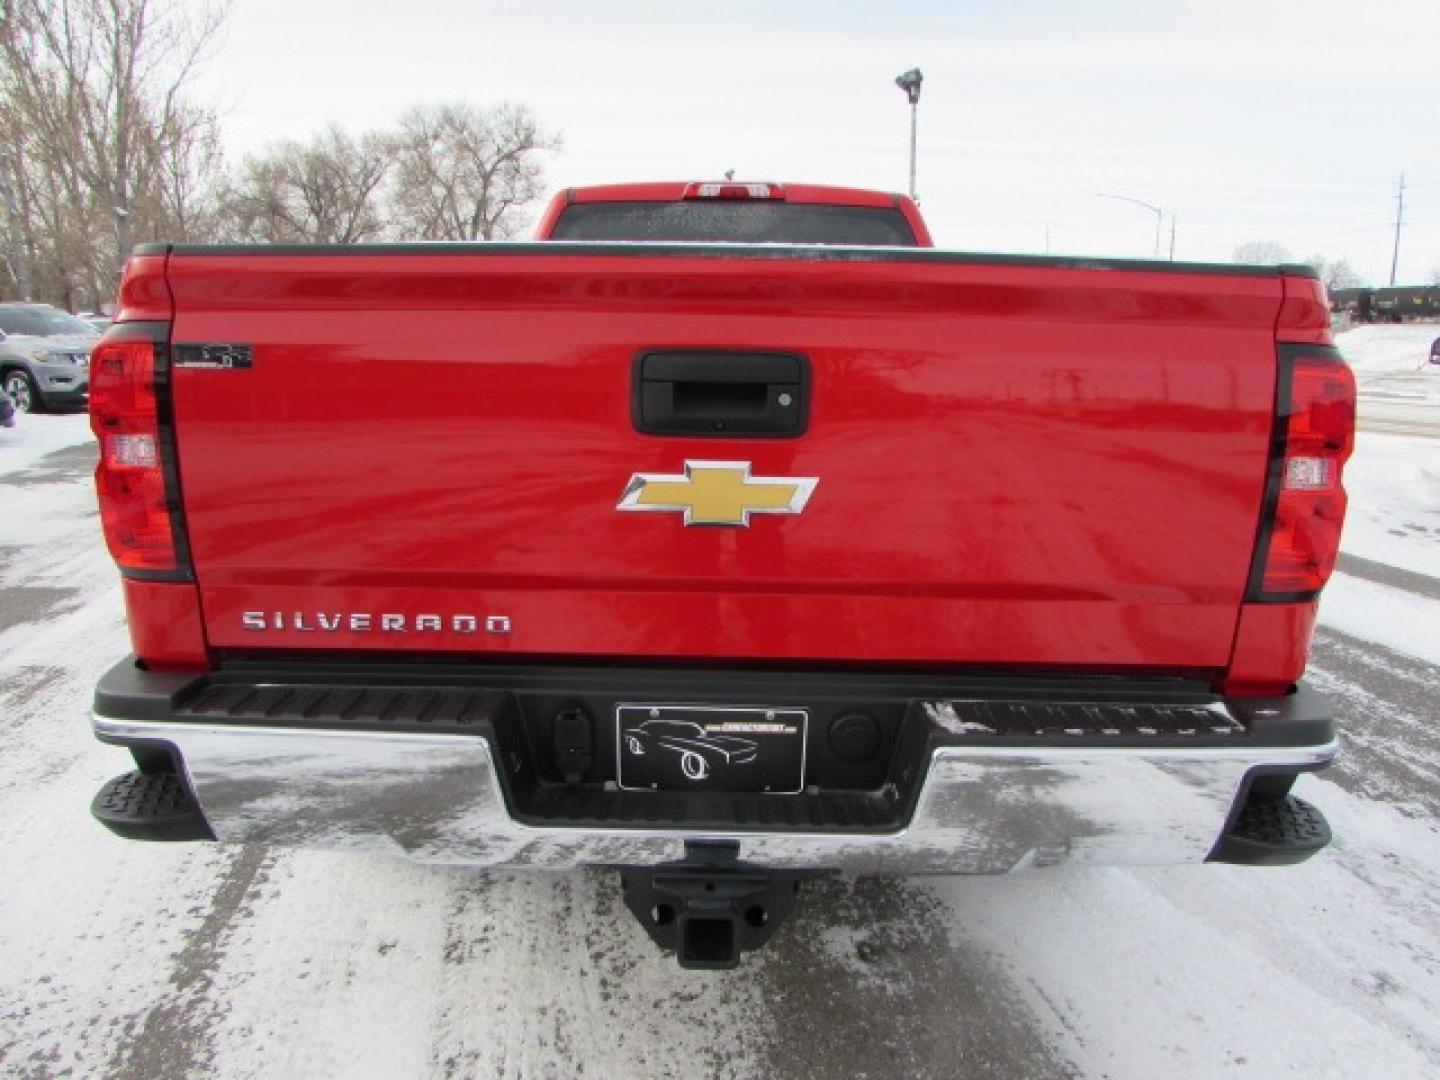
pixel 1399 418
pixel 128 960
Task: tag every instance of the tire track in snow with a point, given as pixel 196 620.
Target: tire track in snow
pixel 63 466
pixel 34 603
pixel 1385 704
pixel 867 981
pixel 1384 574
pixel 173 1038
pixel 549 976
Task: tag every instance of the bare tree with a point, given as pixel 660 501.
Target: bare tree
pixel 95 110
pixel 17 255
pixel 60 232
pixel 1335 273
pixel 465 173
pixel 1435 276
pixel 324 191
pixel 183 196
pixel 1262 253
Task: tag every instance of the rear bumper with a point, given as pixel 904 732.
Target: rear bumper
pixel 962 801
pixel 72 398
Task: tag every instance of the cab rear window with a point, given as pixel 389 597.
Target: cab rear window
pixel 735 221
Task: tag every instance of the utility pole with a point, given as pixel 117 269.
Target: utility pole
pixel 1047 239
pixel 1172 237
pixel 909 81
pixel 1399 220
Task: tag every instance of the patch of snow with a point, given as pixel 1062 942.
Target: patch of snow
pixel 1394 513
pixel 943 713
pixel 1324 969
pixel 1391 617
pixel 35 435
pixel 1393 361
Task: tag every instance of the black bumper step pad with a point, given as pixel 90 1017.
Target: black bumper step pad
pixel 1071 721
pixel 605 807
pixel 150 806
pixel 461 710
pixel 441 710
pixel 1273 832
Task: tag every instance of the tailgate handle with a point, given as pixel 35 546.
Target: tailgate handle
pixel 721 393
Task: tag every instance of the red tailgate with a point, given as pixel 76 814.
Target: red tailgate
pixel 1017 464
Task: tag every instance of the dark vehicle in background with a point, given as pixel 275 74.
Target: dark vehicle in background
pixel 1404 303
pixel 44 357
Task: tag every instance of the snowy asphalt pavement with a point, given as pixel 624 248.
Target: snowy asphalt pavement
pixel 1398 418
pixel 129 960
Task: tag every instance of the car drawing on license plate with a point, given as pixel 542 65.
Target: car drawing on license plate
pixel 696 747
pixel 725 749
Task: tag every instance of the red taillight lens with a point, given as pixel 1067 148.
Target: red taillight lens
pixel 1307 501
pixel 135 504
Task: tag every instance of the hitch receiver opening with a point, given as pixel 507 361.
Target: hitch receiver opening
pixel 709 907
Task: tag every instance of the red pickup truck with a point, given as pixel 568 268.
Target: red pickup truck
pixel 731 533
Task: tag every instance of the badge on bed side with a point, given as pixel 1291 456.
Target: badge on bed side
pixel 216 355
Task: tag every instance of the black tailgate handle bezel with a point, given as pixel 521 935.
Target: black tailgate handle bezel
pixel 721 393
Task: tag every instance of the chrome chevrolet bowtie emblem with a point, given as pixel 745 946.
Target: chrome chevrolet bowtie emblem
pixel 717 493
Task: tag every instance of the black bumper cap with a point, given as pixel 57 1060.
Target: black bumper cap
pixel 150 806
pixel 1273 832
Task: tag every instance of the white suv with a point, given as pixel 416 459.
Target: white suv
pixel 44 357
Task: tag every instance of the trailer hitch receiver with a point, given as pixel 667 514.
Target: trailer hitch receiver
pixel 709 906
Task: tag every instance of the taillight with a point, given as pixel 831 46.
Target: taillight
pixel 731 190
pixel 136 479
pixel 1305 499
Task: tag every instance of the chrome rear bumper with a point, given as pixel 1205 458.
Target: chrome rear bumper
pixel 437 798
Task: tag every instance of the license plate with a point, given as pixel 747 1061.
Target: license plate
pixel 710 748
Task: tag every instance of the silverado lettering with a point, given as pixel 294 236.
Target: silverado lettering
pixel 363 622
pixel 1051 602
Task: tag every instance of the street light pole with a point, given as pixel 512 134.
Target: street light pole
pixel 1159 214
pixel 914 129
pixel 909 82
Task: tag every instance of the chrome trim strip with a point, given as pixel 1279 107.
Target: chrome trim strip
pixel 437 798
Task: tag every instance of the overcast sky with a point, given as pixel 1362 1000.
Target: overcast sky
pixel 1247 121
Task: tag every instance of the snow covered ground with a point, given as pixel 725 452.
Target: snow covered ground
pixel 126 960
pixel 1394 512
pixel 1399 387
pixel 1392 361
pixel 33 437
